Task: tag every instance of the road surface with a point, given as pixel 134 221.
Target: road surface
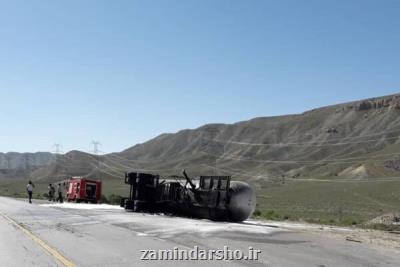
pixel 101 235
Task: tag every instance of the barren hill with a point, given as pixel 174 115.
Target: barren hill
pixel 324 142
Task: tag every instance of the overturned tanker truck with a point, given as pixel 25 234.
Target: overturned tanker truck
pixel 208 197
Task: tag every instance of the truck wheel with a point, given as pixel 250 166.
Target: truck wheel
pixel 122 203
pixel 130 205
pixel 141 205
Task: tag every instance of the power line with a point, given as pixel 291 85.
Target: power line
pixel 242 173
pixel 318 143
pixel 125 168
pixel 317 162
pixel 110 174
pixel 115 161
pixel 307 144
pixel 138 168
pixel 131 160
pixel 393 130
pixel 342 180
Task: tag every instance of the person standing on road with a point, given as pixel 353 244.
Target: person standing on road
pixel 29 189
pixel 60 193
pixel 49 192
pixel 52 192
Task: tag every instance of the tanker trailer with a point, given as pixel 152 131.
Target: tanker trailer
pixel 207 197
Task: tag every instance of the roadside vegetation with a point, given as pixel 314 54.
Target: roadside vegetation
pixel 330 203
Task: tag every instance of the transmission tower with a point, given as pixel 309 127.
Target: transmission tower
pixel 8 161
pixel 96 152
pixel 96 145
pixel 212 133
pixel 57 151
pixel 57 148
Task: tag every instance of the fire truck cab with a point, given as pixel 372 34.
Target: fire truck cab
pixel 83 190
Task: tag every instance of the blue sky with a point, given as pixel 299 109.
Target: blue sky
pixel 123 72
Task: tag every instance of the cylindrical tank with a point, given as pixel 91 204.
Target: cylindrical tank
pixel 242 201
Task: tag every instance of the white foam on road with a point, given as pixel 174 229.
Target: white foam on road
pixel 297 225
pixel 82 206
pixel 167 226
pixel 159 224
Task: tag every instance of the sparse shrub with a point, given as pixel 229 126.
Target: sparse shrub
pixel 272 215
pixel 311 220
pixel 257 213
pixel 384 227
pixel 114 199
pixel 349 221
pixel 103 199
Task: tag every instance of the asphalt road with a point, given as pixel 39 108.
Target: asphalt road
pixel 87 235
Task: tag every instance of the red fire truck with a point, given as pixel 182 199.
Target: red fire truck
pixel 84 190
